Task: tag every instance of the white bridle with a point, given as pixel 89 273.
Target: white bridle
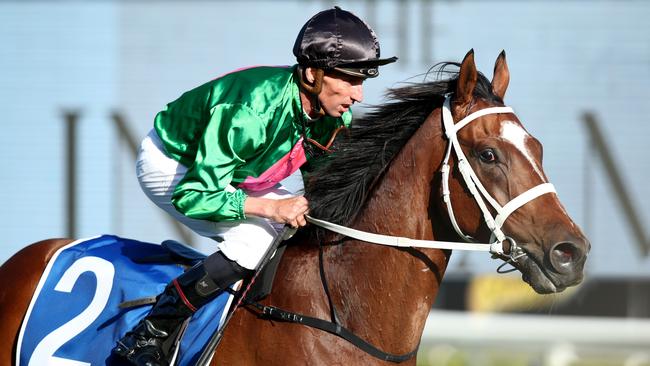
pixel 475 187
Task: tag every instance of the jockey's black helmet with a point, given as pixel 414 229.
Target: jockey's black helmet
pixel 337 39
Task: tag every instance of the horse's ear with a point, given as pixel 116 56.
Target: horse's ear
pixel 466 80
pixel 501 76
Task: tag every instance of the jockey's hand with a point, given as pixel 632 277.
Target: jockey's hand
pixel 290 211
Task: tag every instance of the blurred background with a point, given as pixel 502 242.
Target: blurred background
pixel 80 83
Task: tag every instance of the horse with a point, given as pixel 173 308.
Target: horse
pixel 385 177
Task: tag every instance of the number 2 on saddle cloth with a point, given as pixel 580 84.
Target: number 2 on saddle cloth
pixel 76 303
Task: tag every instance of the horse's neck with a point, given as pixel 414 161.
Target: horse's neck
pixel 386 293
pixel 382 294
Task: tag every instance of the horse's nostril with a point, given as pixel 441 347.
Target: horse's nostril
pixel 564 255
pixel 564 252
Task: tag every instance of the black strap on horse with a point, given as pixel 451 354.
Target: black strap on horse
pixel 333 327
pixel 271 312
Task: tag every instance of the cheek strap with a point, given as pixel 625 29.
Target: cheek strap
pixel 313 89
pixel 317 86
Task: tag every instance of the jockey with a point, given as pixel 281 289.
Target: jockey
pixel 218 159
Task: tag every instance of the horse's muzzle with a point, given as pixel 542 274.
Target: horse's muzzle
pixel 556 268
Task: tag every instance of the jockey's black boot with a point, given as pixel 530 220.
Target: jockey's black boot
pixel 149 343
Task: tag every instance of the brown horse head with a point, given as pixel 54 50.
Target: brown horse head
pixel 386 178
pixel 507 161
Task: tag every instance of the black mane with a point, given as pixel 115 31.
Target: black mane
pixel 338 187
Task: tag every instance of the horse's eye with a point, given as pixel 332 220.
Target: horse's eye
pixel 488 156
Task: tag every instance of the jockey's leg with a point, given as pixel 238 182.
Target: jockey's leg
pixel 148 343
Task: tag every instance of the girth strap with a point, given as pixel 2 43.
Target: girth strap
pixel 271 312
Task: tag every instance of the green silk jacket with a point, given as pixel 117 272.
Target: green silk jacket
pixel 241 130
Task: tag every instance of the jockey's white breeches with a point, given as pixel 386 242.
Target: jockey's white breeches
pixel 243 241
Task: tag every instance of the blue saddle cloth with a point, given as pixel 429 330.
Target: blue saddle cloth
pixel 74 314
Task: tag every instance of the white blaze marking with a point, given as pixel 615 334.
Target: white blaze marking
pixel 514 133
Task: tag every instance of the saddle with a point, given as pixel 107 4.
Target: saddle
pixel 83 291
